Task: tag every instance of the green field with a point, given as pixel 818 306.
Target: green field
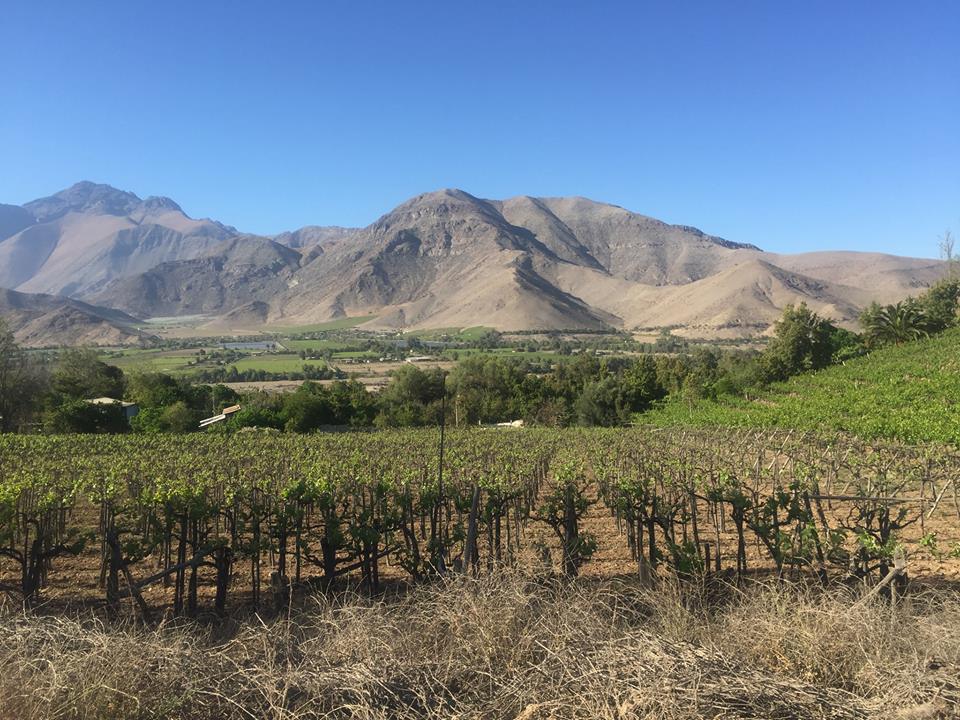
pixel 338 324
pixel 169 361
pixel 455 334
pixel 334 345
pixel 176 361
pixel 502 352
pixel 909 392
pixel 278 363
pixel 356 354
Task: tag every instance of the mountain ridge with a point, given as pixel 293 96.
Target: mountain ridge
pixel 40 320
pixel 443 258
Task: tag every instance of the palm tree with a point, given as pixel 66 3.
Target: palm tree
pixel 895 324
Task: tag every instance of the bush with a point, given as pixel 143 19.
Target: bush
pixel 802 341
pixel 80 416
pixel 603 403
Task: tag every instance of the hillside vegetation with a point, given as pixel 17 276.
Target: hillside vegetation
pixel 909 392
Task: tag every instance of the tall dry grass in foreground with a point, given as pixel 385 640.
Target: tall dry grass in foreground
pixel 504 647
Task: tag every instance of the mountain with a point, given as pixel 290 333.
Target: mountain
pixel 236 272
pixel 83 237
pixel 740 300
pixel 311 236
pixel 440 259
pixel 13 219
pixel 624 244
pixel 448 259
pixel 38 320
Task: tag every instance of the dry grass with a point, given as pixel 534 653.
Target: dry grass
pixel 506 647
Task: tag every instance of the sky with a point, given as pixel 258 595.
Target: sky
pixel 791 125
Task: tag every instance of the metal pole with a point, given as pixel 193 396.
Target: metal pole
pixel 443 423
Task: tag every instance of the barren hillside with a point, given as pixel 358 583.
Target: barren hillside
pixel 441 259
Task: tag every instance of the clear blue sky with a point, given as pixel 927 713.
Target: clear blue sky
pixel 791 125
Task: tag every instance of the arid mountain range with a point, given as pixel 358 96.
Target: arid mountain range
pixel 440 260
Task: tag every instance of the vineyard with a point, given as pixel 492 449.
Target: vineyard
pixel 195 524
pixel 905 392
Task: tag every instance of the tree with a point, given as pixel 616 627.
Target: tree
pixel 641 386
pixel 23 381
pixel 80 374
pixel 672 371
pixel 802 341
pixel 257 416
pixel 308 408
pixel 704 373
pixel 179 418
pixel 946 252
pixel 412 398
pixel 603 402
pixel 351 404
pixel 488 389
pixel 154 389
pixel 896 324
pixel 939 304
pixel 80 416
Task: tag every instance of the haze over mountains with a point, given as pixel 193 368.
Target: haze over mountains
pixel 441 259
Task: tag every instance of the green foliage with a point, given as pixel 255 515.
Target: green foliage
pixel 604 403
pixel 641 385
pixel 894 324
pixel 151 390
pixel 23 381
pixel 940 305
pixel 306 409
pixel 907 392
pixel 343 500
pixel 913 318
pixel 80 416
pixel 488 389
pixel 704 373
pixel 180 418
pixel 802 341
pixel 412 398
pixel 80 374
pixel 258 416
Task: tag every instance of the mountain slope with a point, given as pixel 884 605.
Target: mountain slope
pixel 905 392
pixel 448 259
pixel 238 271
pixel 440 259
pixel 311 236
pixel 743 299
pixel 13 219
pixel 89 234
pixel 881 274
pixel 39 320
pixel 627 245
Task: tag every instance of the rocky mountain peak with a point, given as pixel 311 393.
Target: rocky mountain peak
pixel 84 196
pixel 158 203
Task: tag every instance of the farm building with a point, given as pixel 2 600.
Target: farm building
pixel 129 409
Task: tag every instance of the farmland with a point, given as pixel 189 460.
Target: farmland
pixel 718 563
pixel 274 362
pixel 478 589
pixel 908 393
pixel 249 505
pixel 363 355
